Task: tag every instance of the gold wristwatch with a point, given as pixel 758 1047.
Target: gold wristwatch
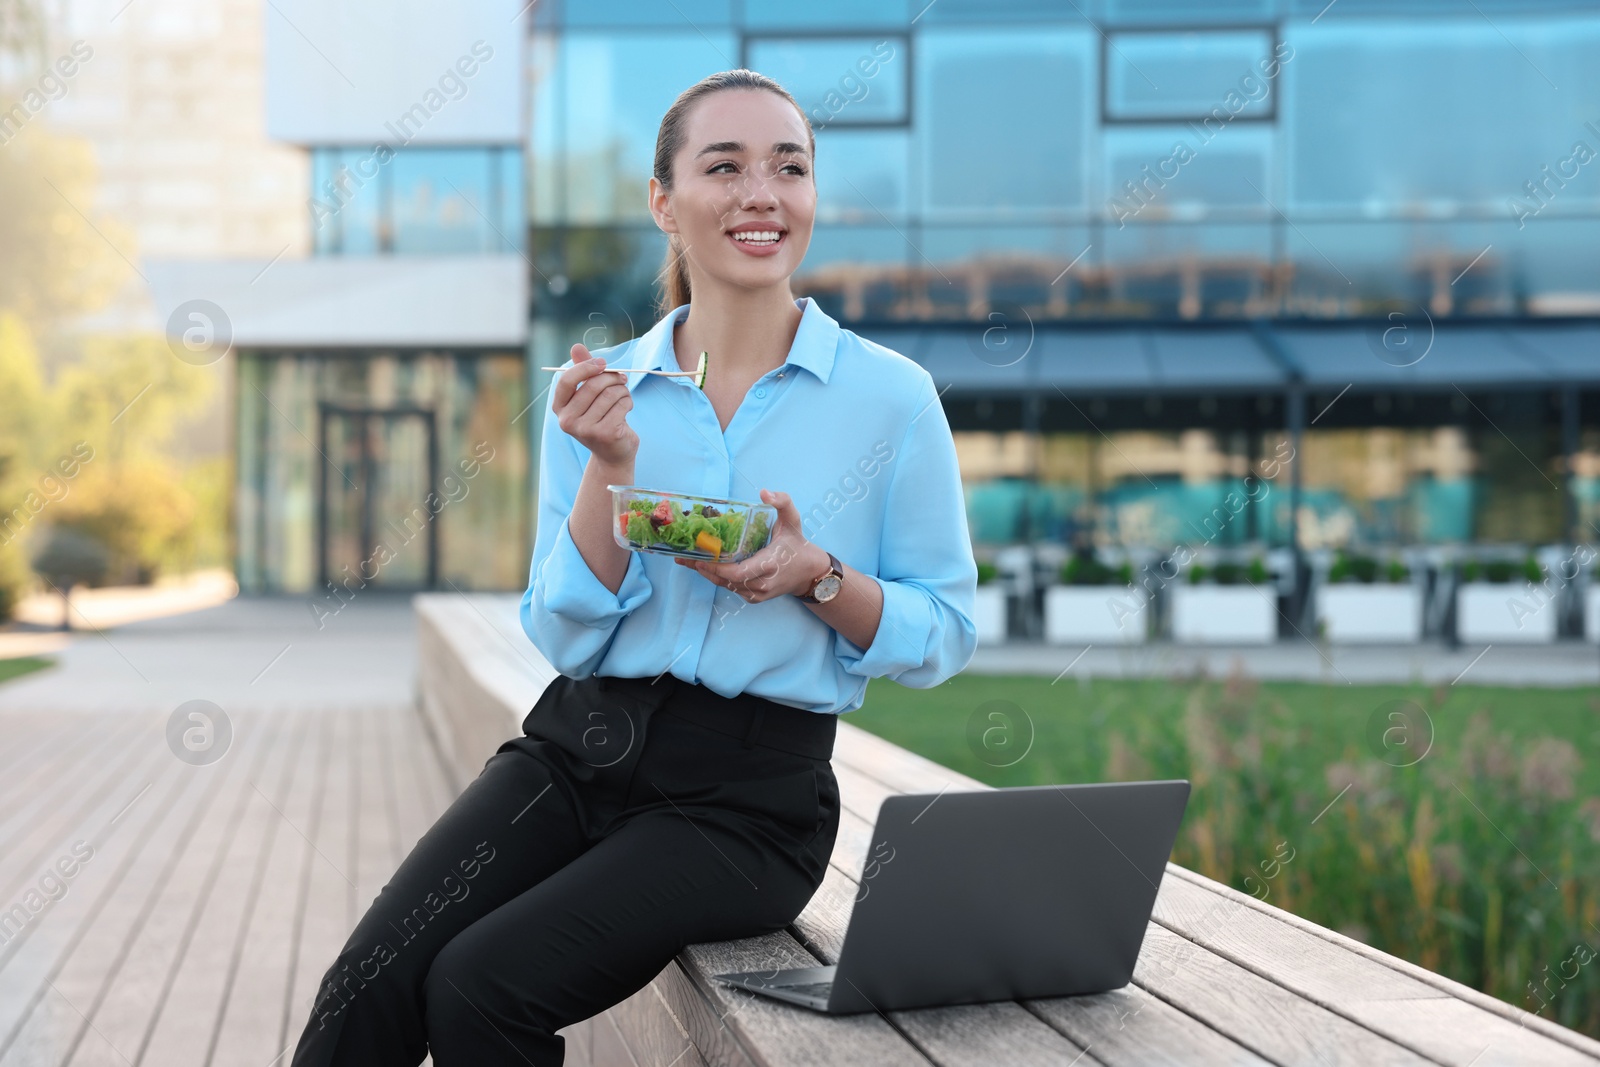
pixel 826 587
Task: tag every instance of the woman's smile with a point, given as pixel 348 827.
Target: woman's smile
pixel 758 239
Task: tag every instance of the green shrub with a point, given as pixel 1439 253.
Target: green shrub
pixel 1502 570
pixel 987 572
pixel 1349 567
pixel 1085 569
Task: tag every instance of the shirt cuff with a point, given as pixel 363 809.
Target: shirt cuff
pixel 572 591
pixel 901 641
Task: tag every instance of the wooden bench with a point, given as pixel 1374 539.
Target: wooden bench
pixel 1222 978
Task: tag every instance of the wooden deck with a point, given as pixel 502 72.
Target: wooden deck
pixel 215 896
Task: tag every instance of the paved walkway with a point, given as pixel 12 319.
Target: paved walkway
pixel 260 652
pixel 1567 663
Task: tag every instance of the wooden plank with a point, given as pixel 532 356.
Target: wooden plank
pixel 32 952
pixel 1410 1012
pixel 304 974
pixel 257 982
pixel 39 752
pixel 325 922
pixel 90 969
pixel 187 1019
pixel 651 1032
pixel 1475 997
pixel 374 859
pixel 580 1043
pixel 46 1001
pixel 1256 1012
pixel 63 803
pixel 771 1033
pixel 894 766
pixel 1128 1026
pixel 610 1048
pixel 136 992
pixel 705 1023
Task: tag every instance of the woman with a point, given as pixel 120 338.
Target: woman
pixel 672 784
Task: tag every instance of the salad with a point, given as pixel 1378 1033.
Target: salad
pixel 703 531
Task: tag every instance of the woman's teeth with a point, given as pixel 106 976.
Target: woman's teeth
pixel 758 237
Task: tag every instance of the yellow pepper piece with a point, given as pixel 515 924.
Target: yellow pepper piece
pixel 708 542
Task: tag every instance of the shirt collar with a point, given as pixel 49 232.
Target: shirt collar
pixel 815 343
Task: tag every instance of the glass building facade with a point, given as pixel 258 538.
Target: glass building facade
pixel 1246 164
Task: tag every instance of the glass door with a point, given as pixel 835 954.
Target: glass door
pixel 375 523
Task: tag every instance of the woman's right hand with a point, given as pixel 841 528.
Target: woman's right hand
pixel 596 414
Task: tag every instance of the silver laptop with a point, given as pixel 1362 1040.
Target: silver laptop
pixel 1029 891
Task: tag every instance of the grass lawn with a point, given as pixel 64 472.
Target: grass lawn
pixel 1455 826
pixel 16 668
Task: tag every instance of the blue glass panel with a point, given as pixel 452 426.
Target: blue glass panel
pixel 1179 12
pixel 1323 9
pixel 442 200
pixel 1390 117
pixel 982 153
pixel 861 175
pixel 838 81
pixel 1177 172
pixel 708 14
pixel 347 201
pixel 938 11
pixel 768 14
pixel 510 221
pixel 1189 75
pixel 616 89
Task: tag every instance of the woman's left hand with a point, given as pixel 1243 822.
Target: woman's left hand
pixel 787 564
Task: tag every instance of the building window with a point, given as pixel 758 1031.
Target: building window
pixel 839 80
pixel 429 201
pixel 1192 75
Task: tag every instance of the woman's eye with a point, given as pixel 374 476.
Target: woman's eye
pixel 798 169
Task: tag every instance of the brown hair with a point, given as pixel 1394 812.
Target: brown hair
pixel 674 275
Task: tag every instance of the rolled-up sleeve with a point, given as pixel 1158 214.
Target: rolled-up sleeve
pixel 567 612
pixel 925 567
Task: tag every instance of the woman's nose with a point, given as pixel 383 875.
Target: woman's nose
pixel 756 188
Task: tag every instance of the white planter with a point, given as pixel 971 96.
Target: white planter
pixel 989 615
pixel 1591 612
pixel 1094 615
pixel 1224 615
pixel 1380 612
pixel 1504 613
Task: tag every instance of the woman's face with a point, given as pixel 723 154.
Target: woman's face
pixel 742 174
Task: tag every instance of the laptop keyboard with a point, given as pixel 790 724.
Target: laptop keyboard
pixel 817 989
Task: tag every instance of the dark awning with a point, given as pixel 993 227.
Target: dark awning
pixel 1166 359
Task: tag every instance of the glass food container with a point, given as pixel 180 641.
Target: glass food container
pixel 682 524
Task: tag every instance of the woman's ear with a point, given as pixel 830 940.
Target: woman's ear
pixel 660 206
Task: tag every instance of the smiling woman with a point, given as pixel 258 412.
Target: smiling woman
pixel 673 783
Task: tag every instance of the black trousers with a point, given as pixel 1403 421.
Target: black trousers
pixel 631 819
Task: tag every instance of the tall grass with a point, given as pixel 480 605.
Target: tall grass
pixel 1478 858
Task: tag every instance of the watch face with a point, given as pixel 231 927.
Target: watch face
pixel 827 588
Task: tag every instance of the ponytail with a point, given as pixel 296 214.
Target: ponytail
pixel 674 276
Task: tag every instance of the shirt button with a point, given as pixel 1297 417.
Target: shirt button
pixel 761 392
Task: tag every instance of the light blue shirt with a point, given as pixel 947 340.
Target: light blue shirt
pixel 854 432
